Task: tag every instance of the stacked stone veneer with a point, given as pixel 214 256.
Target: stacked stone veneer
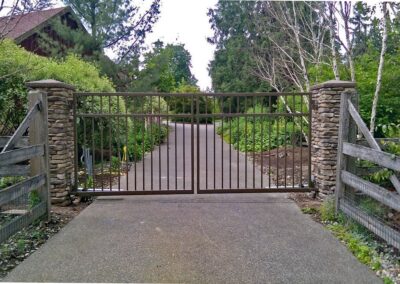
pixel 325 126
pixel 61 138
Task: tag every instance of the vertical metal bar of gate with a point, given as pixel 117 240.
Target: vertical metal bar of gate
pixel 269 112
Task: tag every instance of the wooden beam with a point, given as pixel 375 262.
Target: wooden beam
pixel 23 142
pixel 15 170
pixel 10 193
pixel 370 139
pixel 395 181
pixel 38 134
pixel 382 230
pixel 377 192
pixel 20 155
pixel 22 127
pixel 378 157
pixel 344 124
pixel 362 126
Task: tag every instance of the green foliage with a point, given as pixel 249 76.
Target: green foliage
pixel 21 245
pixel 17 66
pixel 115 163
pixel 392 147
pixel 9 181
pixel 119 24
pixel 356 244
pixel 327 210
pixel 388 111
pixel 89 183
pixel 387 280
pixel 145 138
pixel 255 134
pixel 183 104
pixel 165 68
pixel 232 69
pixel 380 177
pixel 309 210
pixel 34 198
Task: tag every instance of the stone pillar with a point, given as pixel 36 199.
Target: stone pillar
pixel 325 127
pixel 61 137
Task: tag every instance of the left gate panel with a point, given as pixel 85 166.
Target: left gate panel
pixel 133 143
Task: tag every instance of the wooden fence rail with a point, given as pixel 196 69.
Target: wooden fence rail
pixel 26 156
pixel 347 180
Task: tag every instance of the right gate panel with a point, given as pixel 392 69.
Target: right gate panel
pixel 254 142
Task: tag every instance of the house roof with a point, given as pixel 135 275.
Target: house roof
pixel 21 26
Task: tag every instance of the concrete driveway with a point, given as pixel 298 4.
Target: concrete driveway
pixel 236 238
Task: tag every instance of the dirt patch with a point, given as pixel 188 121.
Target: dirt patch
pixel 21 245
pixel 285 165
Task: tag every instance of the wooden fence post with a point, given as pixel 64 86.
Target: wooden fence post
pixel 343 137
pixel 347 133
pixel 38 134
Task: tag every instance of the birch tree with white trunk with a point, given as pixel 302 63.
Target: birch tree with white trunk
pixel 384 20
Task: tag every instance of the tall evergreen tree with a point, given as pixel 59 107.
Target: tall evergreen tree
pixel 231 70
pixel 116 24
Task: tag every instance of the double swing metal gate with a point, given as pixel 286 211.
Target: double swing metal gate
pixel 156 143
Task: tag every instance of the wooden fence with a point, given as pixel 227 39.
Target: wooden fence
pixel 349 182
pixel 25 157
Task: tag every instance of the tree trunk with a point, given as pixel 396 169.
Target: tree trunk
pixel 332 40
pixel 349 52
pixel 298 44
pixel 380 68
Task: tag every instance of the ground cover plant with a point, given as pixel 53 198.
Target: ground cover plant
pixel 365 246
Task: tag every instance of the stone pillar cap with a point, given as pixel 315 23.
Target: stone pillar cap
pixel 334 84
pixel 49 83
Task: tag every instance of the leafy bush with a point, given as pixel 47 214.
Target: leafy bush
pixel 115 164
pixel 18 66
pixel 34 198
pixel 145 138
pixel 327 210
pixel 183 104
pixel 259 134
pixel 388 110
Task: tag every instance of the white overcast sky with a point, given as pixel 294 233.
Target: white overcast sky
pixel 182 21
pixel 186 21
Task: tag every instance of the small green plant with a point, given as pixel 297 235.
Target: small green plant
pixel 356 244
pixel 327 210
pixel 89 182
pixel 34 198
pixel 21 245
pixel 115 164
pixel 8 181
pixel 380 177
pixel 392 147
pixel 309 210
pixel 387 280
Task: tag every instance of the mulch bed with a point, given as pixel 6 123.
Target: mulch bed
pixel 28 240
pixel 285 163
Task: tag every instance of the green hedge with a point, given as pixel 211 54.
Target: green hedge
pixel 18 66
pixel 256 134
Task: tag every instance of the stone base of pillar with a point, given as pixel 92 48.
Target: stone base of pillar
pixel 325 126
pixel 61 138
